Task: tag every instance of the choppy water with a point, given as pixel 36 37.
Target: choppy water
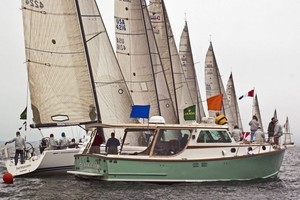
pixel 286 186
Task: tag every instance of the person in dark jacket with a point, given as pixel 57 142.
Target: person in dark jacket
pixel 271 130
pixel 98 140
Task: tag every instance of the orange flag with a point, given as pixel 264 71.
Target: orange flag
pixel 215 102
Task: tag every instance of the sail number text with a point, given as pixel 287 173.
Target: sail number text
pixel 121 44
pixel 35 3
pixel 120 24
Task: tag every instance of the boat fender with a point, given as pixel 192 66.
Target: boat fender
pixel 223 152
pixel 8 178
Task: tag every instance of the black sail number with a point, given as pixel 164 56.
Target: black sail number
pixel 35 3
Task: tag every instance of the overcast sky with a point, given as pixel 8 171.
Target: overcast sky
pixel 257 40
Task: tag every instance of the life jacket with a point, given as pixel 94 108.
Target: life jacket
pixel 221 120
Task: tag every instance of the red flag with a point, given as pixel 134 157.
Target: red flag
pixel 248 94
pixel 215 102
pixel 245 134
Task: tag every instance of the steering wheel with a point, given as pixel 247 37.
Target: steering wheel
pixel 29 151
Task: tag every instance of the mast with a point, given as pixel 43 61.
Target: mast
pixel 171 63
pixel 143 6
pixel 88 62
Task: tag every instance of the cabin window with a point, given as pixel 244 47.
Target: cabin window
pixel 213 136
pixel 170 142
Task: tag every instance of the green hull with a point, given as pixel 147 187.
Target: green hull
pixel 157 170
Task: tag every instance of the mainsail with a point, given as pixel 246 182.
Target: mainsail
pixel 214 85
pixel 139 59
pixel 72 71
pixel 170 59
pixel 256 111
pixel 188 66
pixel 233 103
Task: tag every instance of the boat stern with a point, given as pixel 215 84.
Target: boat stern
pixel 89 166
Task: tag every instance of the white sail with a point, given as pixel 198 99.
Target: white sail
pixel 112 94
pixel 287 134
pixel 233 103
pixel 74 76
pixel 170 58
pixel 58 75
pixel 275 114
pixel 139 59
pixel 188 66
pixel 214 85
pixel 256 112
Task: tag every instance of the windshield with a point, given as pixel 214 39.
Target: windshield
pixel 169 142
pixel 213 136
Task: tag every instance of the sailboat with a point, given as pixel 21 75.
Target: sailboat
pixel 177 83
pixel 232 99
pixel 188 66
pixel 140 61
pixel 179 152
pixel 214 86
pixel 287 135
pixel 73 74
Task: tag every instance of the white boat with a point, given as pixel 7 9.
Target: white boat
pixel 208 154
pixel 73 74
pixel 214 86
pixel 188 66
pixel 287 135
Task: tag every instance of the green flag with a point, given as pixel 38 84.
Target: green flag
pixel 190 113
pixel 23 115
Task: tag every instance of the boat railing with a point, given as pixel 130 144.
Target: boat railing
pixel 252 148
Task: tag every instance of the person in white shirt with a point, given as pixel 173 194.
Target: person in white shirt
pixel 259 136
pixel 19 146
pixel 236 133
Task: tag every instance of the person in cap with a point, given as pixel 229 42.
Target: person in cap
pixel 19 147
pixel 52 145
pixel 271 129
pixel 63 141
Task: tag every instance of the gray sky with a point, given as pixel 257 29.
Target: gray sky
pixel 257 40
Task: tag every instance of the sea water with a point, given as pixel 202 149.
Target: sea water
pixel 65 186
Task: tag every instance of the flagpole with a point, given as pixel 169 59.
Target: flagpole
pixel 253 111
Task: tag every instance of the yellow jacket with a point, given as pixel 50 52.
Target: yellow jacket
pixel 221 119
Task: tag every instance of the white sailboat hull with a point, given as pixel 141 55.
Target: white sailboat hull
pixel 48 161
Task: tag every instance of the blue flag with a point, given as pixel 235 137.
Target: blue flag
pixel 140 111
